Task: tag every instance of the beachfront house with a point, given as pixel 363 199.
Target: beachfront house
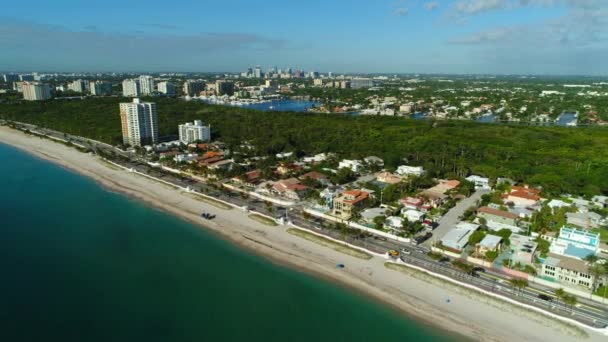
pixel 346 203
pixel 457 238
pixel 566 271
pixel 490 243
pixel 394 224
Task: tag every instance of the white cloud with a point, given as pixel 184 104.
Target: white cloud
pixel 401 11
pixel 472 7
pixel 431 5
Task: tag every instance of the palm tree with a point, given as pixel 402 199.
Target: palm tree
pixel 560 293
pixel 596 271
pixel 570 300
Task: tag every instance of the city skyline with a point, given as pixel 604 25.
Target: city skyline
pixel 458 36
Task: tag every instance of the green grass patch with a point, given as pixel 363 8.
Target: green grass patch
pixel 338 247
pixel 498 303
pixel 207 200
pixel 602 291
pixel 263 220
pixel 603 234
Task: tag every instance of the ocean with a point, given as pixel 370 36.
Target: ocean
pixel 80 263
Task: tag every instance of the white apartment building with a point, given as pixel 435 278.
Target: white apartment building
pixel 100 88
pixel 193 131
pixel 139 123
pixel 79 86
pixel 567 271
pixel 354 165
pixel 34 91
pixel 166 88
pixel 146 84
pixel 131 88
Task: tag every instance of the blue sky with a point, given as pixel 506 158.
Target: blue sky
pixel 400 36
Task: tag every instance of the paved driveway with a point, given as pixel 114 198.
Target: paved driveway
pixel 452 216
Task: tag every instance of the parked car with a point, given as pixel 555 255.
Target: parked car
pixel 545 297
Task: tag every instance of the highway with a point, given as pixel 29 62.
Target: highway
pixel 591 313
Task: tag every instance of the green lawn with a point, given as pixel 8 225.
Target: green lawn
pixel 263 220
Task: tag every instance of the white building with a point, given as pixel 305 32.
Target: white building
pixel 166 88
pixel 193 131
pixel 405 170
pixel 131 88
pixel 393 223
pixel 480 182
pixel 193 88
pixel 567 271
pixel 354 165
pixel 147 84
pixel 79 86
pixel 412 215
pixel 139 123
pixel 100 88
pixel 575 243
pixel 34 91
pixel 458 237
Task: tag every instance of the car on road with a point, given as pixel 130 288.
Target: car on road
pixel 444 259
pixel 479 269
pixel 406 251
pixel 420 239
pixel 545 297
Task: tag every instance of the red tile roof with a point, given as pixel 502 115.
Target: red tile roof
pixel 497 212
pixel 525 192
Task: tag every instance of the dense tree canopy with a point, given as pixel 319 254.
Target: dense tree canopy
pixel 573 160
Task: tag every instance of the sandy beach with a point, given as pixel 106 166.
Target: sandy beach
pixel 465 314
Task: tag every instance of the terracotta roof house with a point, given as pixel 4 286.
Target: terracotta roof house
pixel 318 176
pixel 523 195
pixel 347 202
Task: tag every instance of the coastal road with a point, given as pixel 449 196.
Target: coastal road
pixel 452 217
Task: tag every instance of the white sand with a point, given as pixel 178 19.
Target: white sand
pixel 465 314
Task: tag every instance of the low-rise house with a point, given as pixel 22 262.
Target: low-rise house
pixel 458 237
pixel 523 249
pixel 169 154
pixel 394 224
pixel 373 160
pixel 406 170
pixel 290 188
pixel 250 179
pixel 567 271
pixel 480 182
pixel 317 158
pixel 588 220
pixel 224 164
pixel 328 194
pixel 288 168
pixel 496 215
pixel 437 194
pixel 412 215
pixel 556 204
pixel 349 201
pixel 412 202
pixel 523 196
pixel 600 201
pixel 489 243
pixel 387 178
pixel 318 176
pixel 353 165
pixel 186 157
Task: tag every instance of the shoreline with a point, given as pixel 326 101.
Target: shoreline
pixel 419 301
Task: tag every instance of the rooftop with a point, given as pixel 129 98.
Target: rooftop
pixel 497 212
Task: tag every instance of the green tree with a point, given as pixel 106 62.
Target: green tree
pixel 476 237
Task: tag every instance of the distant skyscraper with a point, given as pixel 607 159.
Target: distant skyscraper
pixel 258 72
pixel 34 91
pixel 357 83
pixel 100 88
pixel 131 88
pixel 10 78
pixel 193 88
pixel 147 84
pixel 139 123
pixel 330 74
pixel 191 132
pixel 26 77
pixel 223 87
pixel 166 88
pixel 78 86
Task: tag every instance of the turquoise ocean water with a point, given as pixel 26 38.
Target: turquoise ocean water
pixel 79 263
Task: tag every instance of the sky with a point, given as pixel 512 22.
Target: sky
pixel 566 37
